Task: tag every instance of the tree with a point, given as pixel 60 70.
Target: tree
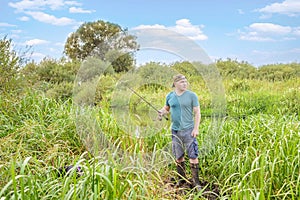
pixel 56 71
pixel 121 62
pixel 185 68
pixel 97 39
pixel 9 64
pixel 234 69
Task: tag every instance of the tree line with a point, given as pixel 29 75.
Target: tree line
pixel 104 42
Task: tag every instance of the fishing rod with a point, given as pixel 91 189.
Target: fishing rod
pixel 145 101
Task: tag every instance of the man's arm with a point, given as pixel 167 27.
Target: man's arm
pixel 197 118
pixel 165 110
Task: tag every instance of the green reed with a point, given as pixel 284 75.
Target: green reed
pixel 256 155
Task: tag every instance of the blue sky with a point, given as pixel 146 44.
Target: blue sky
pixel 257 31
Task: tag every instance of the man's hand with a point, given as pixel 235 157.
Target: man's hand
pixel 195 133
pixel 161 113
pixel 196 110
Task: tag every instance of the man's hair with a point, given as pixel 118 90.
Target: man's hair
pixel 177 78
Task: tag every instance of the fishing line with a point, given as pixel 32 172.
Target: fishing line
pixel 137 94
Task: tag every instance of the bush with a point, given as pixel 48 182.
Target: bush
pixel 239 85
pixel 9 64
pixel 62 91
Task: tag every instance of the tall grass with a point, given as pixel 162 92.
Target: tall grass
pixel 256 157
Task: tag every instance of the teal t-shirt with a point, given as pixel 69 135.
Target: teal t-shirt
pixel 181 108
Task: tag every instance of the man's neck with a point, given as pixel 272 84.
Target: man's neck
pixel 179 92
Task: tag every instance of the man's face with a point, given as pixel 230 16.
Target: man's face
pixel 181 84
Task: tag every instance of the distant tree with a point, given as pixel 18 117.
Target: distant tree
pixel 296 67
pixel 185 68
pixel 10 63
pixel 279 72
pixel 235 69
pixel 155 71
pixel 55 77
pixel 53 71
pixel 97 39
pixel 121 62
pixel 29 72
pixel 92 68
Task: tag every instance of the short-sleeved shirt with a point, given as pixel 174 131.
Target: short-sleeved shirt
pixel 181 108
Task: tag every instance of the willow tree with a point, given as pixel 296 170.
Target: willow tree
pixel 98 39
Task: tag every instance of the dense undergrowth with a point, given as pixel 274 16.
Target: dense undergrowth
pixel 256 154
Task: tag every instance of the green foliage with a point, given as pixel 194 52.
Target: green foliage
pixel 253 104
pixel 272 72
pixel 55 72
pixel 36 116
pixel 54 77
pixel 260 155
pixel 62 91
pixel 92 83
pixel 9 65
pixel 121 62
pixel 289 102
pixel 93 67
pixel 30 74
pixel 234 69
pixel 186 68
pixel 246 97
pixel 239 85
pixel 104 90
pixel 155 72
pixel 84 94
pixel 97 39
pixel 39 131
pixel 259 152
pixel 279 72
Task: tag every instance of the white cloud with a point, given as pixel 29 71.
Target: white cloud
pixel 25 5
pixel 24 18
pixel 194 32
pixel 72 3
pixel 275 53
pixel 33 8
pixel 52 49
pixel 268 32
pixel 79 10
pixel 60 44
pixel 253 35
pixel 35 42
pixel 157 26
pixel 270 28
pixel 265 57
pixel 14 36
pixel 37 56
pixel 4 24
pixel 295 50
pixel 241 12
pixel 250 37
pixel 16 31
pixel 57 4
pixel 50 19
pixel 287 7
pixel 53 4
pixel 183 26
pixel 296 31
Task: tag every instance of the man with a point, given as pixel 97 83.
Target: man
pixel 185 113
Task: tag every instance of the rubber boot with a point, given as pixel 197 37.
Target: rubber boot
pixel 195 174
pixel 181 173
